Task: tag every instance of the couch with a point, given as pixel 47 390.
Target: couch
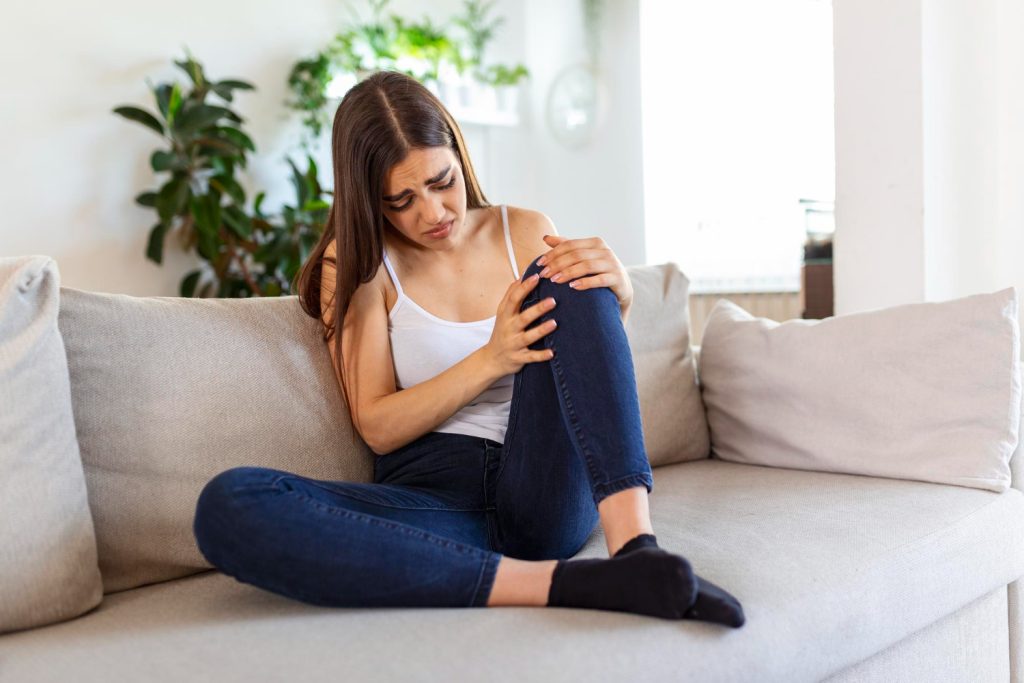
pixel 120 408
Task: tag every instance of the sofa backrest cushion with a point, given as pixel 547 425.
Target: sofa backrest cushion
pixel 658 329
pixel 48 566
pixel 168 392
pixel 925 391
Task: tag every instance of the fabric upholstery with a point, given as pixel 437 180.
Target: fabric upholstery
pixel 48 567
pixel 658 328
pixel 1015 597
pixel 170 391
pixel 831 569
pixel 965 647
pixel 925 391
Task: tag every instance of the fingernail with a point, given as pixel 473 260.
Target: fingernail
pixel 542 260
pixel 544 272
pixel 534 276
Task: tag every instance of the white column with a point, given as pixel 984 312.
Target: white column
pixel 929 150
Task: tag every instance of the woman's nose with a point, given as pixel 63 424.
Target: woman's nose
pixel 433 211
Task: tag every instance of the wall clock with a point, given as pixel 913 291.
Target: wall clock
pixel 574 105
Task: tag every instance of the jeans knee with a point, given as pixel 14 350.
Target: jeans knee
pixel 562 292
pixel 219 499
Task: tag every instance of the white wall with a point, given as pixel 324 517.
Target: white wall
pixel 929 150
pixel 596 190
pixel 71 168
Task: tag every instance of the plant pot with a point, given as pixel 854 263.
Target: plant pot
pixel 508 98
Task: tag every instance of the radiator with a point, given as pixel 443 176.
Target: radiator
pixel 773 305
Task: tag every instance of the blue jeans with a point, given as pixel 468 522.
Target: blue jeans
pixel 442 510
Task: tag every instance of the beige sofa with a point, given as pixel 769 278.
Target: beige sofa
pixel 842 577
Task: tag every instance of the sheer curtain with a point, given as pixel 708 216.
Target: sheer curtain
pixel 737 102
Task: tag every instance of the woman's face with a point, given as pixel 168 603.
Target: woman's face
pixel 426 191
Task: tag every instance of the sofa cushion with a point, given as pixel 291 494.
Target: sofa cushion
pixel 169 391
pixel 926 391
pixel 830 568
pixel 48 567
pixel 658 328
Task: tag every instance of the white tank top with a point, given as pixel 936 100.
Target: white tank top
pixel 424 345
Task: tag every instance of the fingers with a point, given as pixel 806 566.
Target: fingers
pixel 516 292
pixel 535 311
pixel 538 356
pixel 533 334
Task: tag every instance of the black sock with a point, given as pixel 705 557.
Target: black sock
pixel 647 581
pixel 712 604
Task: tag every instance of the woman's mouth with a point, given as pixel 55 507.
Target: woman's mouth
pixel 441 231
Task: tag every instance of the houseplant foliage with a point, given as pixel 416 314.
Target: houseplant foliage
pixel 246 253
pixel 421 49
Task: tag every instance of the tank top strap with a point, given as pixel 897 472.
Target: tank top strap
pixel 508 240
pixel 391 271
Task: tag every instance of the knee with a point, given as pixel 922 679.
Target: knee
pixel 563 293
pixel 221 497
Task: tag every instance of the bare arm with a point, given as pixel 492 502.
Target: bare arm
pixel 385 417
pixel 401 417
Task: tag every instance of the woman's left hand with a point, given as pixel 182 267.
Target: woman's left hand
pixel 571 260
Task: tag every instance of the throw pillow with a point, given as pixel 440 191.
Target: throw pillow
pixel 924 391
pixel 47 544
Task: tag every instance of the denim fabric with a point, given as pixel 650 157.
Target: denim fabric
pixel 443 509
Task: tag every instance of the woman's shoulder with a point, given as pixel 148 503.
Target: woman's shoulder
pixel 527 228
pixel 529 221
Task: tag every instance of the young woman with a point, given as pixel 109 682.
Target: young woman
pixel 484 360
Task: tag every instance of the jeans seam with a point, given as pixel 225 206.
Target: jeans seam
pixel 485 570
pixel 399 526
pixel 350 495
pixel 581 442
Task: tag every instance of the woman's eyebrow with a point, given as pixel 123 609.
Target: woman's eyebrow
pixel 429 181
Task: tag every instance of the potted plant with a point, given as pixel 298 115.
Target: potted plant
pixel 245 254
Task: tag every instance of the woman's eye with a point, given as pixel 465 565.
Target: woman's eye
pixel 449 185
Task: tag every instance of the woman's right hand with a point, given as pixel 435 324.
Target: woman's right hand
pixel 508 348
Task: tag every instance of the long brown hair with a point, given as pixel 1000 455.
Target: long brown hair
pixel 378 122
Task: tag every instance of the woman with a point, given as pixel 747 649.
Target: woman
pixel 500 440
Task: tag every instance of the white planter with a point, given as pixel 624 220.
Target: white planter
pixel 508 99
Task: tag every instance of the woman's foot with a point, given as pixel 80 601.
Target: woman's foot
pixel 712 604
pixel 648 581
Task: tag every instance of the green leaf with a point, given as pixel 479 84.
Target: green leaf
pixel 194 70
pixel 238 222
pixel 237 137
pixel 162 93
pixel 155 246
pixel 217 143
pixel 167 161
pixel 203 212
pixel 174 106
pixel 236 84
pixel 257 203
pixel 146 199
pixel 316 205
pixel 299 181
pixel 188 285
pixel 196 117
pixel 229 186
pixel 207 246
pixel 141 116
pixel 172 198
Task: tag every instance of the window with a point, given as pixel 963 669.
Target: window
pixel 738 137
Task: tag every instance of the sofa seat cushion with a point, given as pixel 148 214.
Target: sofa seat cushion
pixel 830 568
